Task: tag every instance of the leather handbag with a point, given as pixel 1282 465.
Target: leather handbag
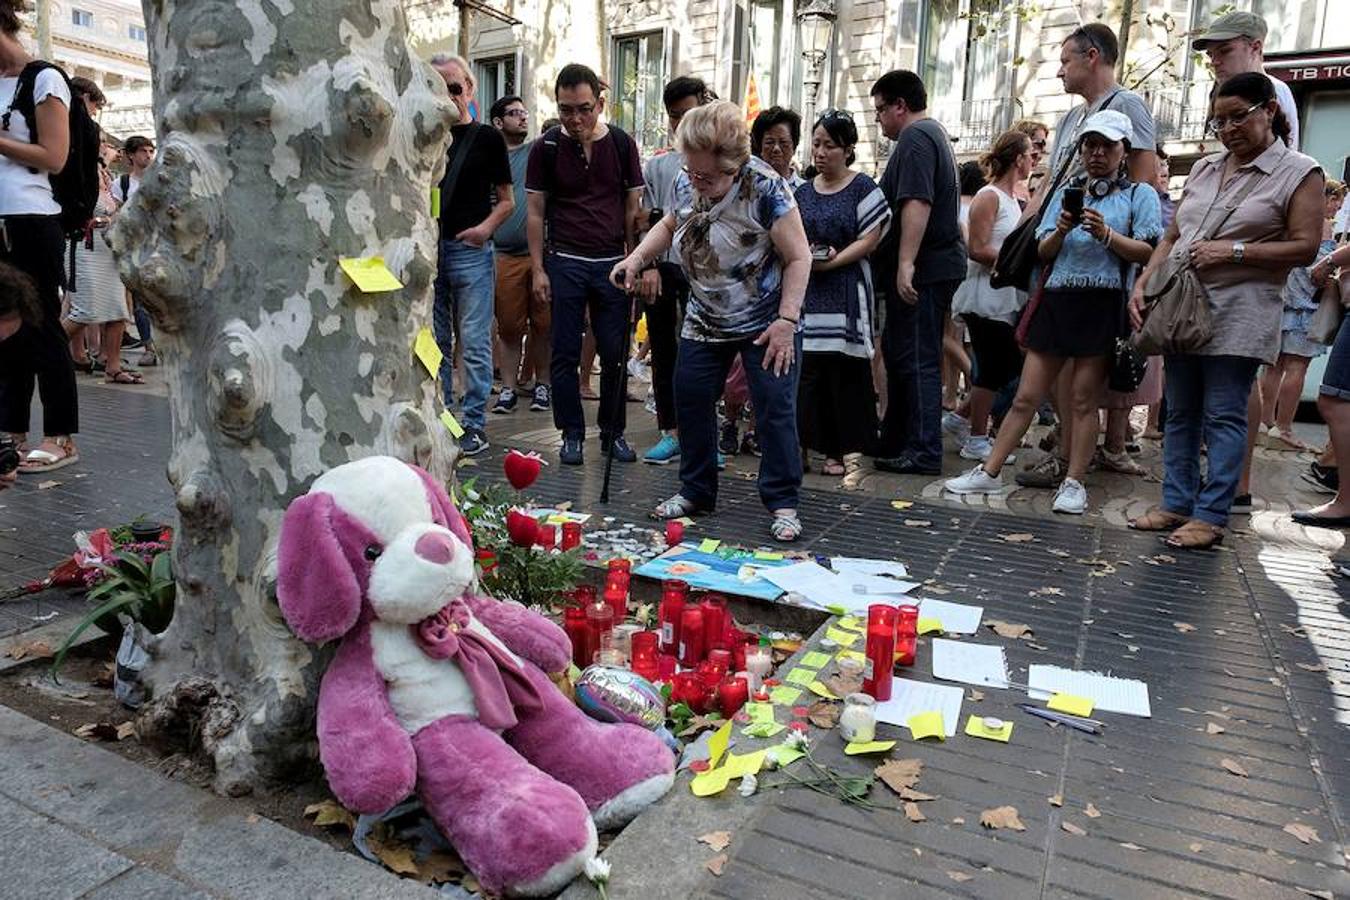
pixel 1326 321
pixel 1018 254
pixel 1177 317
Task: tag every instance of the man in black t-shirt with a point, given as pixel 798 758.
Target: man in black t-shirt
pixel 917 270
pixel 476 197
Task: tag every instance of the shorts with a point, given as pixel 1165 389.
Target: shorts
pixel 515 305
pixel 1336 378
pixel 1076 322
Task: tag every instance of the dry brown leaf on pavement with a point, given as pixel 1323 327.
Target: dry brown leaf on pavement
pixel 330 812
pixel 717 840
pixel 916 796
pixel 1002 817
pixel 1009 629
pixel 439 867
pixel 1018 537
pixel 899 774
pixel 1211 728
pixel 1305 833
pixel 824 714
pixel 1197 847
pixel 1183 627
pixel 1233 767
pixel 917 523
pixel 913 813
pixel 1057 800
pixel 717 864
pixel 31 650
pixel 126 730
pixel 976 696
pixel 47 485
pixel 1311 667
pixel 1092 812
pixel 1129 846
pixel 396 855
pixel 958 877
pixel 1072 828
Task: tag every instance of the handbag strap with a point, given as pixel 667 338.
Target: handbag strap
pixel 1242 195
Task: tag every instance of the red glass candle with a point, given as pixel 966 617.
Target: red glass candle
pixel 674 532
pixel 584 594
pixel 720 659
pixel 574 623
pixel 906 634
pixel 548 536
pixel 665 667
pixel 710 675
pixel 732 694
pixel 617 598
pixel 644 653
pixel 571 535
pixel 620 563
pixel 672 608
pixel 600 627
pixel 880 651
pixel 738 647
pixel 687 688
pixel 714 621
pixel 691 637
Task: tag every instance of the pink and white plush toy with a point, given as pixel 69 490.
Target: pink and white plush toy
pixel 442 691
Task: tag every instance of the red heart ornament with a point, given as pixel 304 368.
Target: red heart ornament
pixel 521 469
pixel 521 528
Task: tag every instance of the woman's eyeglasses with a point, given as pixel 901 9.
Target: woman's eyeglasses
pixel 1219 123
pixel 701 178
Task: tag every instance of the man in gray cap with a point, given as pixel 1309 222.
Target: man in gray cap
pixel 1235 43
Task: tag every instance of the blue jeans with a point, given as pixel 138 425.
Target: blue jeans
pixel 465 277
pixel 700 375
pixel 1206 400
pixel 579 285
pixel 911 345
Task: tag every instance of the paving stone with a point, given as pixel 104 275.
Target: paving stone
pixel 41 859
pixel 144 884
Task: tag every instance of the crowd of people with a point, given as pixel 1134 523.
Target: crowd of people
pixel 832 316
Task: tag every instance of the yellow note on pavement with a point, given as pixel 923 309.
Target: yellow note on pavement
pixel 803 677
pixel 928 625
pixel 452 424
pixel 718 743
pixel 1071 704
pixel 768 556
pixel 927 724
pixel 821 690
pixel 424 346
pixel 851 654
pixel 977 726
pixel 851 623
pixel 855 748
pixel 759 712
pixel 713 781
pixel 784 695
pixel 763 729
pixel 709 545
pixel 785 755
pixel 841 637
pixel 370 274
pixel 816 660
pixel 749 764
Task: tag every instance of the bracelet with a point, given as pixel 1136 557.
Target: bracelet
pixel 786 319
pixel 1110 234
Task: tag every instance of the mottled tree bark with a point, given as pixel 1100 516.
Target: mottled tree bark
pixel 291 133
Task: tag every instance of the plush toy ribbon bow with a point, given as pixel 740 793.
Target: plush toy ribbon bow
pixel 498 683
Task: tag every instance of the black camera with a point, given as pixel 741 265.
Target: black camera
pixel 9 456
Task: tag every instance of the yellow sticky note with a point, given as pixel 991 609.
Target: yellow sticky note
pixel 709 545
pixel 976 727
pixel 836 609
pixel 851 623
pixel 785 755
pixel 927 625
pixel 851 654
pixel 713 781
pixel 816 660
pixel 749 764
pixel 370 274
pixel 841 637
pixel 821 690
pixel 856 748
pixel 784 695
pixel 927 724
pixel 452 424
pixel 1071 704
pixel 759 712
pixel 804 677
pixel 424 345
pixel 718 743
pixel 763 729
pixel 435 203
pixel 766 555
pixel 901 504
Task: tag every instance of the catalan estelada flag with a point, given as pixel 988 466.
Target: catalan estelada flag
pixel 751 105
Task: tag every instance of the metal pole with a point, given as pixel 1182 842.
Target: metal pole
pixel 634 306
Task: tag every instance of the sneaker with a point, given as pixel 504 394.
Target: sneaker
pixel 570 454
pixel 977 448
pixel 474 442
pixel 730 441
pixel 506 402
pixel 750 445
pixel 543 399
pixel 1048 473
pixel 638 371
pixel 1071 498
pixel 957 426
pixel 650 403
pixel 664 452
pixel 1242 504
pixel 622 452
pixel 976 481
pixel 1324 479
pixel 903 465
pixel 1045 415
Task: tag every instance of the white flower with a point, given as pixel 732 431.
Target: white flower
pixel 749 784
pixel 597 870
pixel 798 740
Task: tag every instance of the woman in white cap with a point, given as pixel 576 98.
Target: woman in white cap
pixel 1095 229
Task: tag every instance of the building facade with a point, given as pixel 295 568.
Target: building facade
pixel 987 63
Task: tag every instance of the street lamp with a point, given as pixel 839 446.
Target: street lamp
pixel 815 27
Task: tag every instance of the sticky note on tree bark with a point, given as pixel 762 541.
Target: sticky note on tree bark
pixel 452 425
pixel 1073 705
pixel 435 203
pixel 426 349
pixel 370 274
pixel 976 727
pixel 927 724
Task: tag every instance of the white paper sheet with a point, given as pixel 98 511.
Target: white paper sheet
pixel 876 587
pixel 863 566
pixel 956 618
pixel 908 698
pixel 821 588
pixel 982 664
pixel 1119 695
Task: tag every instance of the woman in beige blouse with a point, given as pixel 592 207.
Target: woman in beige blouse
pixel 1272 197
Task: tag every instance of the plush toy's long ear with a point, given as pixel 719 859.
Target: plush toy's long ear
pixel 443 508
pixel 318 590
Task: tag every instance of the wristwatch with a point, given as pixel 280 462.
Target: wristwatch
pixel 1239 249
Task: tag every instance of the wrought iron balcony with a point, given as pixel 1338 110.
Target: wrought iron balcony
pixel 973 124
pixel 1180 112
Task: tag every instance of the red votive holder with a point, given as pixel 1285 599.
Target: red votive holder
pixel 574 623
pixel 621 564
pixel 691 637
pixel 687 688
pixel 644 654
pixel 880 652
pixel 548 536
pixel 714 621
pixel 672 608
pixel 721 660
pixel 732 694
pixel 906 634
pixel 674 532
pixel 617 598
pixel 571 535
pixel 600 626
pixel 711 675
pixel 666 664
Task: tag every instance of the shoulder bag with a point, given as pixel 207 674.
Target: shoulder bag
pixel 1177 318
pixel 1129 366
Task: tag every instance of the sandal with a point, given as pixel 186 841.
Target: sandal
pixel 832 467
pixel 1195 535
pixel 786 527
pixel 853 471
pixel 1119 462
pixel 149 358
pixel 677 507
pixel 40 460
pixel 1158 519
pixel 122 376
pixel 1277 439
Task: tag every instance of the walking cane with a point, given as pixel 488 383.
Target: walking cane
pixel 634 306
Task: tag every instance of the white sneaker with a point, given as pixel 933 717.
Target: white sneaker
pixel 956 425
pixel 977 448
pixel 1071 498
pixel 976 481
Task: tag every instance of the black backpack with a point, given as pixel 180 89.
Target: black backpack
pixel 624 146
pixel 75 187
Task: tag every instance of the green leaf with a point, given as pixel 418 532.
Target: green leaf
pixel 112 606
pixel 135 562
pixel 161 569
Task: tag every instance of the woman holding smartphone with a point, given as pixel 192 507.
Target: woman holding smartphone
pixel 1095 229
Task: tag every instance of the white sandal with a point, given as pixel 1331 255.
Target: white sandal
pixel 676 507
pixel 786 528
pixel 37 460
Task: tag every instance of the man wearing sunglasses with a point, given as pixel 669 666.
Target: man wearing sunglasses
pixel 476 198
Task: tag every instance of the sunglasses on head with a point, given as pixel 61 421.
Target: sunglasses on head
pixel 455 88
pixel 830 114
